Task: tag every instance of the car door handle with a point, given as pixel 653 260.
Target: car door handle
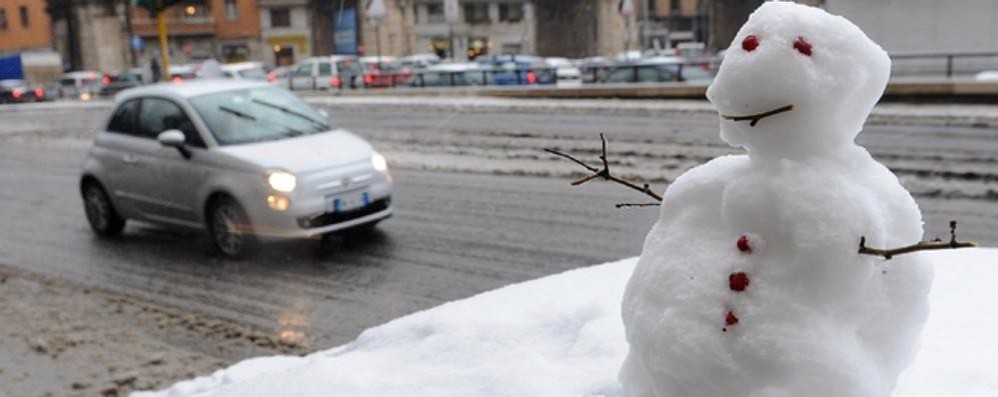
pixel 129 159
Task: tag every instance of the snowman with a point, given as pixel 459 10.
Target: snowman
pixel 750 283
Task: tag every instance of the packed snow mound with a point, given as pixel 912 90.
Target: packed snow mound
pixel 750 283
pixel 561 336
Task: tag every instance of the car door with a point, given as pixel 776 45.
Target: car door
pixel 114 149
pixel 302 78
pixel 324 73
pixel 164 182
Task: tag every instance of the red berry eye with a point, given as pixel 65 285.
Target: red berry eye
pixel 750 43
pixel 802 46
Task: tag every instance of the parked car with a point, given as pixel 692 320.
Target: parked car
pixel 660 69
pixel 384 72
pixel 327 72
pixel 239 159
pixel 518 69
pixel 566 74
pixel 246 71
pixel 17 91
pixel 80 84
pixel 419 61
pixel 181 73
pixel 450 75
pixel 114 83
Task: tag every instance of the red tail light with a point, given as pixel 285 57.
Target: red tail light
pixel 368 79
pixel 531 78
pixel 106 80
pixel 335 82
pixel 177 80
pixel 39 92
pixel 17 93
pixel 271 77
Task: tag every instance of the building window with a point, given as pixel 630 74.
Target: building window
pixel 231 11
pixel 435 13
pixel 24 16
pixel 3 19
pixel 511 12
pixel 280 17
pixel 476 13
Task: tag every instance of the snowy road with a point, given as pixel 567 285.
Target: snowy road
pixel 477 209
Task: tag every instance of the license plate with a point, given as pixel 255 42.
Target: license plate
pixel 349 201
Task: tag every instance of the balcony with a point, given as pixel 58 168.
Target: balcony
pixel 184 26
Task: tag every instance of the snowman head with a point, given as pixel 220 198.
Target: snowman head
pixel 797 82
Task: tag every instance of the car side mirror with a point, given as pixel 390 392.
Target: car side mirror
pixel 324 113
pixel 175 139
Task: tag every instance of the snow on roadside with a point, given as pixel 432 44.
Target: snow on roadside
pixel 561 336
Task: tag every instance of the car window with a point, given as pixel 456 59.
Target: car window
pixel 649 74
pixel 157 115
pixel 348 66
pixel 325 69
pixel 123 120
pixel 304 69
pixel 620 75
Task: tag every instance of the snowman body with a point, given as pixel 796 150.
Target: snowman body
pixel 750 283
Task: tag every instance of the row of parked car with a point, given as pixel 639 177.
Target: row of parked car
pixel 340 72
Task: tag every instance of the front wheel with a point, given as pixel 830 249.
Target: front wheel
pixel 230 229
pixel 103 219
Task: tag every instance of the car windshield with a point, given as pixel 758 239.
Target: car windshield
pixel 257 114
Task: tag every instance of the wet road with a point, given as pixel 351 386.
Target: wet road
pixel 453 235
pixel 469 218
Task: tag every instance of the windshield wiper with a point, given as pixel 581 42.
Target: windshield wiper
pixel 289 131
pixel 236 113
pixel 295 113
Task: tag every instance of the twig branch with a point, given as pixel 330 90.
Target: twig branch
pixel 936 244
pixel 759 116
pixel 606 175
pixel 622 205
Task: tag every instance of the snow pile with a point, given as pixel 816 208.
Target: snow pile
pixel 750 283
pixel 561 336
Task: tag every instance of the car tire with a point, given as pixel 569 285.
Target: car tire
pixel 101 215
pixel 230 230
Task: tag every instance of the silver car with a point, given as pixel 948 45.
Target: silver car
pixel 239 159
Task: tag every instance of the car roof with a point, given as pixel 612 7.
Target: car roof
pixel 190 89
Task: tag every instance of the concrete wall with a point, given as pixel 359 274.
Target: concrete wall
pixel 924 25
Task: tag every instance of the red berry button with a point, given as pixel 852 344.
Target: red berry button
pixel 750 43
pixel 743 245
pixel 730 319
pixel 738 281
pixel 802 46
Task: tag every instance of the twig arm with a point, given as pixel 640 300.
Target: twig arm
pixel 604 173
pixel 936 244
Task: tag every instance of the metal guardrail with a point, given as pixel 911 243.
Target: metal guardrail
pixel 948 64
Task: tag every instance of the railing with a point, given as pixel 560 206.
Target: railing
pixel 428 78
pixel 950 65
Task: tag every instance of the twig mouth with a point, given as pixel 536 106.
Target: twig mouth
pixel 758 116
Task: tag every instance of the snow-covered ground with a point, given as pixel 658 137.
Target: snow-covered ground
pixel 562 336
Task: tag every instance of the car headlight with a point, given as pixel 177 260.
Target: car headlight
pixel 282 181
pixel 379 162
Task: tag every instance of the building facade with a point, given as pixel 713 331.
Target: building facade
pixel 226 30
pixel 285 31
pixel 24 26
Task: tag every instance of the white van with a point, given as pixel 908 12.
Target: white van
pixel 327 72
